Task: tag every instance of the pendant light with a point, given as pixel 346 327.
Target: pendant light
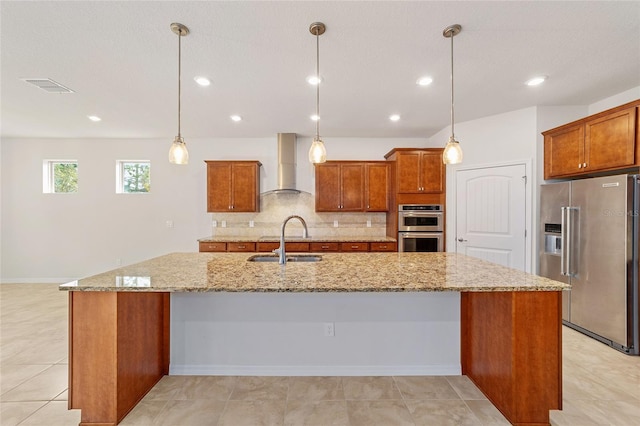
pixel 317 153
pixel 452 152
pixel 178 153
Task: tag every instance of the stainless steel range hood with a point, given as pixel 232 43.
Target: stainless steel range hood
pixel 286 164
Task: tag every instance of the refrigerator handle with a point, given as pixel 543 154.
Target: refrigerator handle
pixel 563 241
pixel 570 237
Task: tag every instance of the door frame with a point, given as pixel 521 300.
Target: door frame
pixel 530 206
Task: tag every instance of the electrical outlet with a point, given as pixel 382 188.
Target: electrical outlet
pixel 214 223
pixel 169 224
pixel 368 223
pixel 251 224
pixel 329 329
pixel 224 223
pixel 335 223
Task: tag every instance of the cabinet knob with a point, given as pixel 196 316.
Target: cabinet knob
pixel 584 165
pixel 579 165
pixel 462 240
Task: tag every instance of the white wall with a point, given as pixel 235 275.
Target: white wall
pixel 60 237
pixel 614 101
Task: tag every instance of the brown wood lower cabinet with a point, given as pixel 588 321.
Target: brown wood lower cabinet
pixel 383 246
pixel 291 246
pixel 325 247
pixel 213 247
pixel 298 246
pixel 241 247
pixel 512 350
pixel 354 246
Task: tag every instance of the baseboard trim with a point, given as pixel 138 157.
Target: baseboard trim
pixel 315 370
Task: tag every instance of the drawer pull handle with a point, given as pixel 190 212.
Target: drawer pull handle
pixel 241 247
pixel 355 247
pixel 383 247
pixel 325 247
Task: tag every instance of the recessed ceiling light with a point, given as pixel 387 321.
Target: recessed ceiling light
pixel 314 80
pixel 315 117
pixel 94 118
pixel 394 117
pixel 424 81
pixel 236 118
pixel 202 81
pixel 536 80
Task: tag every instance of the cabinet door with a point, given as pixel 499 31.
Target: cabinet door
pixel 376 187
pixel 352 187
pixel 327 187
pixel 244 180
pixel 610 141
pixel 432 171
pixel 218 187
pixel 564 151
pixel 408 174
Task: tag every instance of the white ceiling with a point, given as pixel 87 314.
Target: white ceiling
pixel 120 58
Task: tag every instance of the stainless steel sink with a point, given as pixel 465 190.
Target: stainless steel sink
pixel 290 258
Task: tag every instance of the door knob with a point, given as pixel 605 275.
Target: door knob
pixel 462 240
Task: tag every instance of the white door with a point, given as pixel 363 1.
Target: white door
pixel 491 214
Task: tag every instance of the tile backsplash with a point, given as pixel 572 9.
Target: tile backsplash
pixel 274 208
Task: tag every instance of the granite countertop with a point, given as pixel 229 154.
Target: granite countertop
pixel 312 239
pixel 336 272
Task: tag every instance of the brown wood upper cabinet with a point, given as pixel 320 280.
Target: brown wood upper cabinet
pixel 376 186
pixel 418 170
pixel 352 186
pixel 601 142
pixel 340 186
pixel 233 186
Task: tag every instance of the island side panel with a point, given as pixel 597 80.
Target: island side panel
pixel 142 349
pixel 118 351
pixel 93 356
pixel 512 350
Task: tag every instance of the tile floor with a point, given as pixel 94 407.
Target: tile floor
pixel 601 386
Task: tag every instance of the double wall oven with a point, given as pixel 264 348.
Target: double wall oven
pixel 420 228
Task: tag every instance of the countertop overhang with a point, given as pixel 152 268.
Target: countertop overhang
pixel 353 272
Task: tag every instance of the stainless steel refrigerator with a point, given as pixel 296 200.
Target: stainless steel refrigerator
pixel 589 239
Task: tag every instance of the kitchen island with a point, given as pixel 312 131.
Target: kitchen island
pixel 510 332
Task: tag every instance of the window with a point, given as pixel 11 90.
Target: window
pixel 59 176
pixel 133 177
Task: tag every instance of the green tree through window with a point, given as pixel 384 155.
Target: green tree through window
pixel 136 177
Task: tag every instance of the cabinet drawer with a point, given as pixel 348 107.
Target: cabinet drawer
pixel 354 246
pixel 292 246
pixel 383 246
pixel 241 247
pixel 213 247
pixel 325 246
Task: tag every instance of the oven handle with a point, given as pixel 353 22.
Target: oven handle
pixel 426 213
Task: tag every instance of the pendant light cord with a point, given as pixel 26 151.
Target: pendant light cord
pixel 179 76
pixel 318 85
pixel 452 121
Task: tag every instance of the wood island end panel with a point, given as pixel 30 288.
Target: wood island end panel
pixel 118 350
pixel 512 350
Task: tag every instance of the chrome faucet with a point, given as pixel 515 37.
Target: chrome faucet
pixel 282 256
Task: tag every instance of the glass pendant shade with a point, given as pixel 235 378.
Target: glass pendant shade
pixel 317 153
pixel 178 153
pixel 452 153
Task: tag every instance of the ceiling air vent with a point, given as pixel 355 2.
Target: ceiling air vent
pixel 48 85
